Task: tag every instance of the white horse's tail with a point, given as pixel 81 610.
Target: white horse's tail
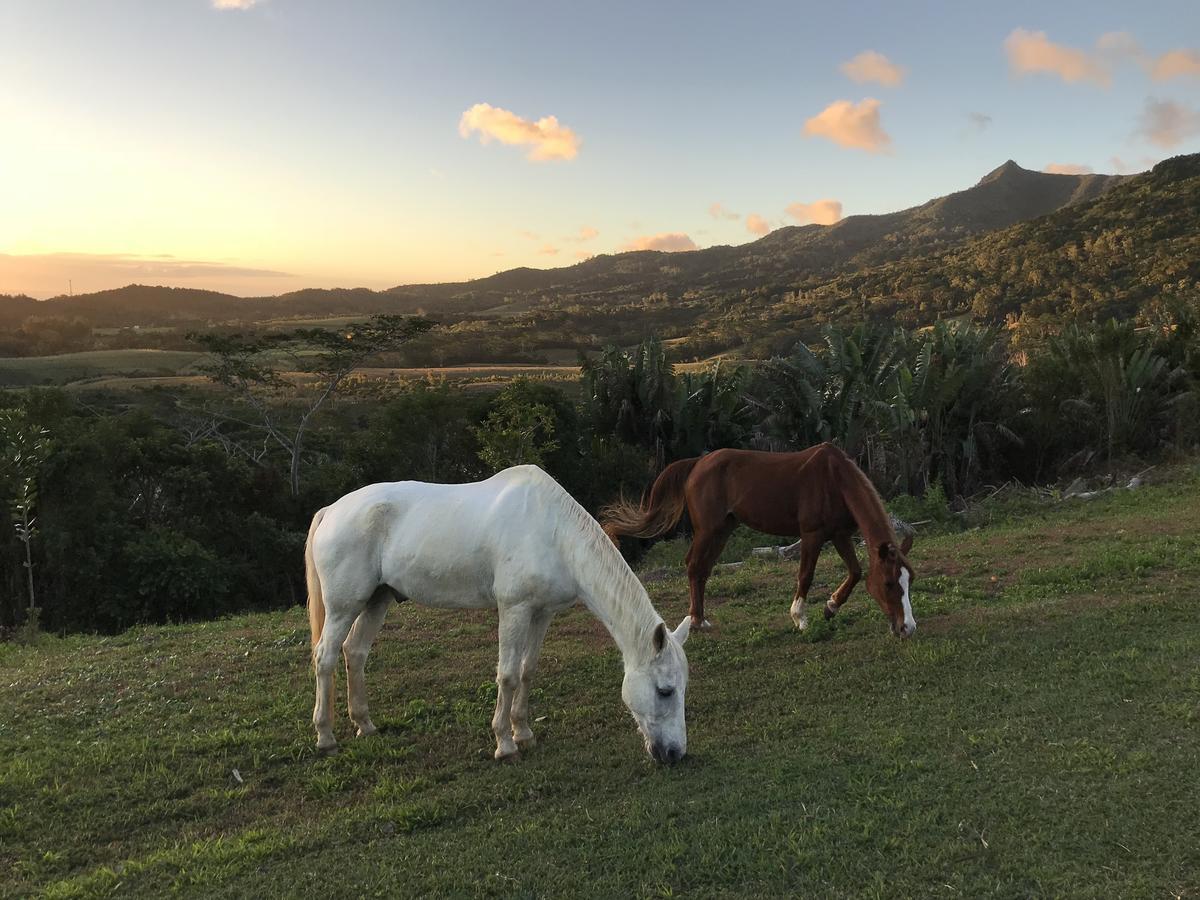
pixel 316 602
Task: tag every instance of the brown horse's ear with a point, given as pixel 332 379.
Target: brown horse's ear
pixel 906 544
pixel 660 637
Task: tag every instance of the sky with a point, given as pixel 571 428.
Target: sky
pixel 261 146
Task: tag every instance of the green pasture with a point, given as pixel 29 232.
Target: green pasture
pixel 1039 736
pixel 71 367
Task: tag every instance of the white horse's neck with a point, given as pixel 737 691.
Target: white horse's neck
pixel 608 586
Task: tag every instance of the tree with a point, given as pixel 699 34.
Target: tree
pixel 253 367
pixel 516 432
pixel 24 448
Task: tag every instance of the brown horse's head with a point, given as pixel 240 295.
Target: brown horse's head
pixel 888 581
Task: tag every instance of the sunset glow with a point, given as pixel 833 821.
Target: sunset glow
pixel 260 146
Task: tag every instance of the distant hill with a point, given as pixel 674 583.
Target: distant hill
pixel 808 254
pixel 1135 243
pixel 1004 196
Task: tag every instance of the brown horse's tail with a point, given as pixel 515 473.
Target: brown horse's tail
pixel 316 602
pixel 660 511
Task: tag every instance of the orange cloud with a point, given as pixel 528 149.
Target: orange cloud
pixel 717 211
pixel 545 138
pixel 548 250
pixel 1068 169
pixel 586 233
pixel 872 66
pixel 1031 51
pixel 668 241
pixel 756 224
pixel 1176 64
pixel 850 125
pixel 819 212
pixel 1166 123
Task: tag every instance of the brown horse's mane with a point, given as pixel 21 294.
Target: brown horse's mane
pixel 864 502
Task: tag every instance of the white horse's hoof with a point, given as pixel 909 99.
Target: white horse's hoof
pixel 367 730
pixel 328 749
pixel 800 624
pixel 505 755
pixel 526 743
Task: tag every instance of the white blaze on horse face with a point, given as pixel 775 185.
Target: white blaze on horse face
pixel 910 624
pixel 654 692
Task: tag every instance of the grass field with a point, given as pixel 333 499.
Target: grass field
pixel 1040 735
pixel 69 367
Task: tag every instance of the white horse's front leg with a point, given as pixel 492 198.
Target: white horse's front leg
pixel 521 731
pixel 514 631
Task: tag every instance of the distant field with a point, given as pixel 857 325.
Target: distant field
pixel 1037 737
pixel 122 369
pixel 71 367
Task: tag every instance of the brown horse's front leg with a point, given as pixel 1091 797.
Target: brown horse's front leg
pixel 845 548
pixel 810 549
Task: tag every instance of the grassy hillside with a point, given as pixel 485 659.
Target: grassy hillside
pixel 1037 736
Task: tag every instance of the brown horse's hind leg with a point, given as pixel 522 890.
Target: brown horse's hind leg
pixel 810 549
pixel 701 557
pixel 845 547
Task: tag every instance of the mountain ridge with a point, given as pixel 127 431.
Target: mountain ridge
pixel 790 254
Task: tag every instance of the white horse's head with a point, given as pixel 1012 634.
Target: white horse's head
pixel 654 687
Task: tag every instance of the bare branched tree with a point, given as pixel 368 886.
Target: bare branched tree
pixel 253 369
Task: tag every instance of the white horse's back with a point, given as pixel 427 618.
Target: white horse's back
pixel 448 545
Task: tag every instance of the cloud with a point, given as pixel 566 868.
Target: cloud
pixel 1167 123
pixel 872 66
pixel 545 138
pixel 1030 52
pixel 1176 64
pixel 668 241
pixel 819 212
pixel 978 121
pixel 548 250
pixel 756 224
pixel 850 125
pixel 1068 169
pixel 530 235
pixel 234 4
pixel 1125 167
pixel 717 211
pixel 586 233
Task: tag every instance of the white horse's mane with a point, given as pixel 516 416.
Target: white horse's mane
pixel 603 570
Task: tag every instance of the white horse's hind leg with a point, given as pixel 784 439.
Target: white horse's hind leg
pixel 521 731
pixel 337 625
pixel 514 632
pixel 355 650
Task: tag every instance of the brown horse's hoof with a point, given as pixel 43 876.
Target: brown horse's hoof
pixel 702 624
pixel 829 613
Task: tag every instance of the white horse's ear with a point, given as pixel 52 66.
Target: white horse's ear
pixel 685 628
pixel 660 637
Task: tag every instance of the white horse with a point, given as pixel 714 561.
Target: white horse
pixel 516 542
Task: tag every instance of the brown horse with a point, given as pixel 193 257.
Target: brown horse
pixel 818 493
